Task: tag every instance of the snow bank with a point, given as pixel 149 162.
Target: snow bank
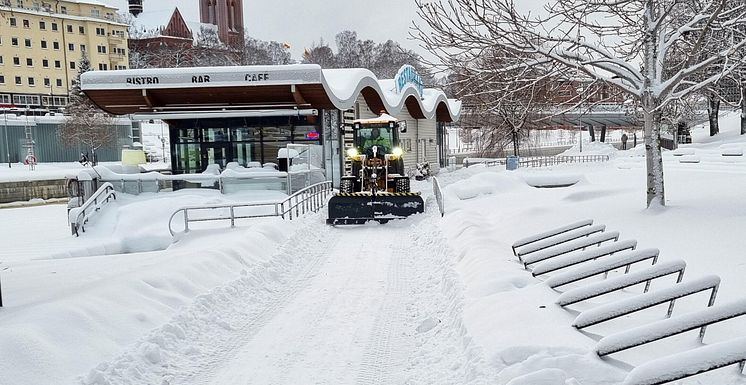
pixel 554 179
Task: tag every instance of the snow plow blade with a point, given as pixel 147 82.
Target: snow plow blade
pixel 358 208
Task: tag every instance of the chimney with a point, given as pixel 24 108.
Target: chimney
pixel 135 7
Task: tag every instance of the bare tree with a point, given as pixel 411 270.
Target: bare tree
pixel 625 43
pixel 85 124
pixel 320 53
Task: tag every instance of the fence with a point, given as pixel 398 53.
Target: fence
pixel 79 216
pixel 311 198
pixel 540 161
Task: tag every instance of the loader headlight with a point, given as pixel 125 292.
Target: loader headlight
pixel 397 151
pixel 352 152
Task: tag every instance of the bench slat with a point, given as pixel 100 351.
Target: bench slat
pixel 578 257
pixel 567 247
pixel 560 238
pixel 616 261
pixel 549 233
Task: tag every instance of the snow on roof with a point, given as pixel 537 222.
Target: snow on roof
pixel 342 86
pixel 384 118
pixel 151 23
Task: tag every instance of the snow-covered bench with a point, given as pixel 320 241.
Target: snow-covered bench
pixel 686 364
pixel 596 289
pixel 576 258
pixel 612 310
pixel 731 149
pixel 559 238
pixel 550 233
pixel 681 151
pixel 689 159
pixel 625 259
pixel 568 247
pixel 658 330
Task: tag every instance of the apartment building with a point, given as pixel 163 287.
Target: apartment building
pixel 41 43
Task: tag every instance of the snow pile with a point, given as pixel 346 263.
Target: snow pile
pixel 486 183
pixel 552 179
pixel 592 148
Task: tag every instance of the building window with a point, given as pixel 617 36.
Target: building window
pixel 71 47
pixel 56 45
pixel 101 49
pixel 1 40
pixel 100 32
pixel 72 65
pixel 57 64
pixel 1 60
pixel 29 62
pixel 2 79
pixel 16 61
pixel 13 22
pixel 45 63
pixel 31 81
pixel 47 83
pixel 54 26
pixel 18 80
pixel 27 43
pixel 14 41
pixel 82 48
pixel 44 44
pixel 103 67
pixel 63 9
pixel 95 13
pixel 26 23
pixel 42 25
pixel 19 3
pixel 69 29
pixel 81 30
pixel 59 82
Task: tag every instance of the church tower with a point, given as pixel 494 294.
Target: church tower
pixel 227 15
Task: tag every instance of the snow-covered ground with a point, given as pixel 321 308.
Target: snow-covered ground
pixel 428 300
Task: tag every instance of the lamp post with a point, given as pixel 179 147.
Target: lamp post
pixel 580 113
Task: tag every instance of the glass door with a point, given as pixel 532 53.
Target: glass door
pixel 215 153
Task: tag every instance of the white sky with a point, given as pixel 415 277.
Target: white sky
pixel 301 22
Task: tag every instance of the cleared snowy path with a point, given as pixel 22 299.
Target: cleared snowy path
pixel 338 328
pixel 373 304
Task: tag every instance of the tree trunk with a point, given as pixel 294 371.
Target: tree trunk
pixel 654 160
pixel 713 109
pixel 743 108
pixel 603 133
pixel 592 132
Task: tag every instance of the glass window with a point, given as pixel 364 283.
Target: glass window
pixel 47 83
pixel 305 133
pixel 56 45
pixel 2 79
pixel 18 80
pixel 187 157
pixel 81 29
pixel 69 28
pixel 72 65
pixel 27 42
pixel 1 60
pixel 54 26
pixel 277 133
pixel 16 61
pixel 215 135
pixel 29 62
pixel 59 82
pixel 42 25
pixel 14 41
pixel 13 22
pixel 45 63
pixel 245 152
pixel 30 81
pixel 239 134
pixel 57 64
pixel 44 44
pixel 71 47
pixel 187 135
pixel 26 23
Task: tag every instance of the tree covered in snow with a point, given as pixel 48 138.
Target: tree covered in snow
pixel 625 43
pixel 85 124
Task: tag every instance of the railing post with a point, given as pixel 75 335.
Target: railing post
pixel 139 186
pixel 233 218
pixel 186 220
pixel 1 294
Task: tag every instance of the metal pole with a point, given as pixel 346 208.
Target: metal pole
pixel 7 146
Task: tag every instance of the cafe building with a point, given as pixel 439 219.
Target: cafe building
pixel 218 115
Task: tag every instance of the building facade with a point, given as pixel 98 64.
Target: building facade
pixel 41 43
pixel 249 114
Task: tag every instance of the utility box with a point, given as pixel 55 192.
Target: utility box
pixel 511 162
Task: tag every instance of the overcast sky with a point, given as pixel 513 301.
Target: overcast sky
pixel 301 22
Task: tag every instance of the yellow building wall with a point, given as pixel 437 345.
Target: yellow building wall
pixel 40 48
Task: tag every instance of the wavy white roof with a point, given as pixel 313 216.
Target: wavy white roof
pixel 342 86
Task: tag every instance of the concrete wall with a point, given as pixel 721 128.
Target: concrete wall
pixel 27 190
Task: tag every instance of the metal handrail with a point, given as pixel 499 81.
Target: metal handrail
pixel 311 198
pixel 544 161
pixel 97 200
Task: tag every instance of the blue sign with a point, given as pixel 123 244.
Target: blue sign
pixel 408 75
